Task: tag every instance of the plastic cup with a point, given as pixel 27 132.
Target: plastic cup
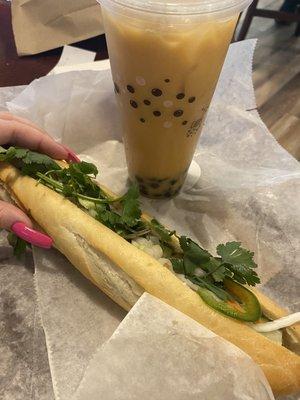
pixel 166 58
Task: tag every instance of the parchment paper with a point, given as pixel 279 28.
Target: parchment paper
pixel 248 190
pixel 24 366
pixel 139 359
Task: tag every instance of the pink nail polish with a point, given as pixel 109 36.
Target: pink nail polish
pixel 72 157
pixel 32 236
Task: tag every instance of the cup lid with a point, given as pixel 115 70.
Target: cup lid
pixel 183 7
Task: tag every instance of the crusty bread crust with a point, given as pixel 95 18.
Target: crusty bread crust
pixel 123 272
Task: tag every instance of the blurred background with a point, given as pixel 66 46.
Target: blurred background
pixel 32 33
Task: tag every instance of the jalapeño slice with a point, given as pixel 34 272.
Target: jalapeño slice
pixel 245 308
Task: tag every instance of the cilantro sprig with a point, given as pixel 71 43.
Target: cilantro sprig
pixel 164 234
pixel 131 211
pixel 123 214
pixel 239 262
pixel 205 270
pixel 30 162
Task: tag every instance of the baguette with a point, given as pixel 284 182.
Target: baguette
pixel 124 272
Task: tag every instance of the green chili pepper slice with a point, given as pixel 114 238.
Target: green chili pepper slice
pixel 246 308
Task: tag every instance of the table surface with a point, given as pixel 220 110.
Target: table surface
pixel 15 70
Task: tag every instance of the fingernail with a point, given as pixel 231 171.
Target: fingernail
pixel 32 236
pixel 72 157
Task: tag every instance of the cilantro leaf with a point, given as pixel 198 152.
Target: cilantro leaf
pixel 193 251
pixel 32 157
pixel 77 177
pixel 167 249
pixel 131 212
pixel 233 253
pixel 189 265
pixel 178 265
pixel 20 153
pixel 239 261
pixel 67 190
pixel 85 168
pixel 8 154
pixel 163 233
pixel 109 218
pixel 29 162
pixel 195 257
pixel 215 268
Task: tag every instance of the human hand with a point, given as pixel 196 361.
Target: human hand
pixel 22 132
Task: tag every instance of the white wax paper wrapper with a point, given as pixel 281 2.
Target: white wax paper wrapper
pixel 76 317
pixel 24 366
pixel 248 190
pixel 159 353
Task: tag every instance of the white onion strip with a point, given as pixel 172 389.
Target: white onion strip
pixel 277 323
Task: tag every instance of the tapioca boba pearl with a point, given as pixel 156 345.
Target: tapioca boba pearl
pixel 155 185
pixel 144 190
pixel 157 113
pixel 167 80
pixel 158 195
pixel 180 96
pixel 147 102
pixel 159 180
pixel 142 120
pixel 168 194
pixel 156 92
pixel 130 89
pixel 184 122
pixel 178 113
pixel 192 99
pixel 133 104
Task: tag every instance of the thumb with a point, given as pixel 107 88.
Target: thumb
pixel 10 214
pixel 12 218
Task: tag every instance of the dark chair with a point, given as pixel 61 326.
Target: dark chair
pixel 280 16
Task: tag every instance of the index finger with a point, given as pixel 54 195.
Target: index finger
pixel 12 117
pixel 15 132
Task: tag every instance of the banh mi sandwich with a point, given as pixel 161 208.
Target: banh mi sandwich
pixel 125 253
